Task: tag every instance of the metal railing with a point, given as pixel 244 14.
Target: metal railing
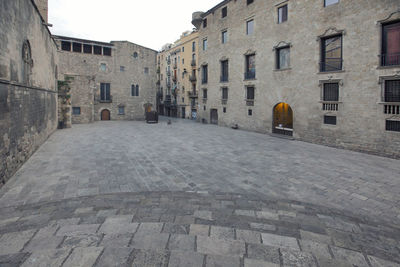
pixel 103 100
pixel 249 75
pixel 390 59
pixel 330 106
pixel 392 109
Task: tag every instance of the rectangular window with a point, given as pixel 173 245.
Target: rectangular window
pixel 250 93
pixel 250 67
pixel 107 51
pixel 330 2
pixel 77 47
pixel 121 110
pixel 146 70
pixel 183 49
pixel 105 92
pixel 204 73
pixel 391 44
pixel 224 110
pixel 330 120
pixel 194 47
pixel 76 110
pixel 66 46
pixel 87 49
pixel 392 91
pixel 283 58
pixel 204 23
pixel 249 2
pixel 225 93
pixel 393 126
pixel 204 44
pixel 224 71
pixel 204 93
pixel 224 12
pixel 250 112
pixel 97 50
pixel 121 68
pixel 250 27
pixel 331 92
pixel 282 14
pixel 135 90
pixel 224 37
pixel 331 53
pixel 103 67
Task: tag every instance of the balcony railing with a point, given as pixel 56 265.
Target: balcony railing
pixel 224 79
pixel 249 102
pixel 224 101
pixel 192 78
pixel 331 64
pixel 393 109
pixel 329 106
pixel 250 75
pixel 103 100
pixel 390 59
pixel 193 63
pixel 193 94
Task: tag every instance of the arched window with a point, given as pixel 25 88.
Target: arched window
pixel 27 62
pixel 135 55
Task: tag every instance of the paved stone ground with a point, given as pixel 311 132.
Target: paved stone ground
pixel 187 194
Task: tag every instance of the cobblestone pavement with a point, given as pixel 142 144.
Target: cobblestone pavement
pixel 187 194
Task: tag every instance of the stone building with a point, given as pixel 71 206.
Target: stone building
pixel 28 83
pixel 177 77
pixel 108 81
pixel 322 71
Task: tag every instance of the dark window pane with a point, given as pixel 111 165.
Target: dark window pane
pixel 392 91
pixel 204 74
pixel 250 93
pixel 87 49
pixel 204 93
pixel 76 110
pixel 391 44
pixel 331 54
pixel 66 46
pixel 224 93
pixel 250 1
pixel 393 126
pixel 106 51
pixel 204 23
pixel 77 47
pixel 97 50
pixel 330 120
pixel 331 92
pixel 250 67
pixel 224 71
pixel 224 12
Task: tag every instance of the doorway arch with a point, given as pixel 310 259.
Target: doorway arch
pixel 105 115
pixel 282 119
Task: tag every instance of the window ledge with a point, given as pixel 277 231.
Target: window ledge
pixel 328 72
pixel 285 69
pixel 251 79
pixel 388 67
pixel 389 103
pixel 330 102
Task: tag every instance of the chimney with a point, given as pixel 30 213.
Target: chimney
pixel 43 7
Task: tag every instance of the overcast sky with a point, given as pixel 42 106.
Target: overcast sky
pixel 151 23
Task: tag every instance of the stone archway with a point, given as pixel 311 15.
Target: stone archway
pixel 105 115
pixel 282 119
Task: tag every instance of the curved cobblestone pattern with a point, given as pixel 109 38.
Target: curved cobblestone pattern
pixel 192 229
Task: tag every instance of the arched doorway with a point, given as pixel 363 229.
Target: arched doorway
pixel 283 119
pixel 105 115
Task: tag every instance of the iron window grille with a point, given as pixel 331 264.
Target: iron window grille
pixel 330 120
pixel 393 126
pixel 66 46
pixel 392 91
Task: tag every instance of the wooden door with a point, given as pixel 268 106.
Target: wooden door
pixel 105 115
pixel 214 116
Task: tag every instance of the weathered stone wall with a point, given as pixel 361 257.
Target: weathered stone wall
pixel 88 75
pixel 360 118
pixel 43 6
pixel 28 96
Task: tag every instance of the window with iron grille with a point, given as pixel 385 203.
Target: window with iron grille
pixel 224 70
pixel 224 93
pixel 105 92
pixel 250 93
pixel 330 120
pixel 282 14
pixel 204 73
pixel 77 47
pixel 224 12
pixel 87 49
pixel 331 53
pixel 393 126
pixel 106 51
pixel 66 46
pixel 283 58
pixel 391 44
pixel 76 110
pixel 392 91
pixel 331 92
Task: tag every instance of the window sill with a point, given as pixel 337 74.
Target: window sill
pixel 330 102
pixel 389 103
pixel 328 72
pixel 388 67
pixel 250 79
pixel 285 69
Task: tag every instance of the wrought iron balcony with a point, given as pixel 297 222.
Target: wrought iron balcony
pixel 192 78
pixel 390 59
pixel 249 75
pixel 193 94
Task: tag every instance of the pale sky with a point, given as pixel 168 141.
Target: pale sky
pixel 151 23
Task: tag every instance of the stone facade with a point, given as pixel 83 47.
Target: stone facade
pixel 43 7
pixel 253 29
pixel 124 66
pixel 177 77
pixel 28 91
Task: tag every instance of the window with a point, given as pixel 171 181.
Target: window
pixel 224 37
pixel 146 70
pixel 66 46
pixel 204 23
pixel 103 67
pixel 224 71
pixel 121 110
pixel 282 58
pixel 250 27
pixel 204 93
pixel 204 44
pixel 224 109
pixel 224 12
pixel 194 47
pixel 393 126
pixel 249 2
pixel 183 100
pixel 105 92
pixel 87 49
pixel 391 44
pixel 107 51
pixel 330 120
pixel 76 110
pixel 331 53
pixel 135 55
pixel 204 108
pixel 250 93
pixel 77 47
pixel 331 92
pixel 250 67
pixel 121 68
pixel 282 14
pixel 135 90
pixel 392 91
pixel 97 50
pixel 250 112
pixel 204 73
pixel 330 2
pixel 183 49
pixel 224 93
